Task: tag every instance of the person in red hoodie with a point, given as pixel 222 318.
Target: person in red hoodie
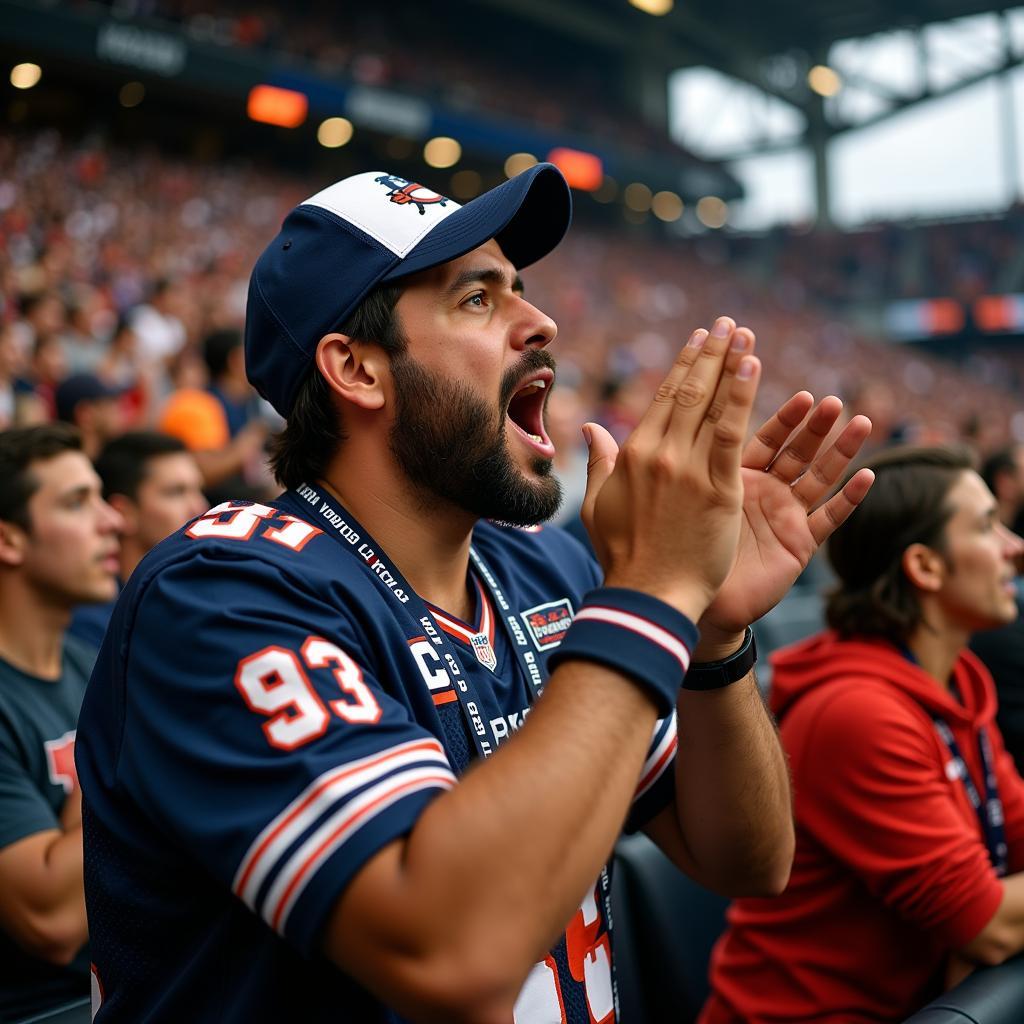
pixel 909 865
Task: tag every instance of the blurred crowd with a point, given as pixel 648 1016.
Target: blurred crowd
pixel 963 260
pixel 124 278
pixel 433 62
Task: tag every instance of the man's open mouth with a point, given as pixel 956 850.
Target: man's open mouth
pixel 526 410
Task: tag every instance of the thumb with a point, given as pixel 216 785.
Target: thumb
pixel 603 453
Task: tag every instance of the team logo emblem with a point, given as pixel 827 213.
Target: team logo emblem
pixel 483 650
pixel 547 623
pixel 405 193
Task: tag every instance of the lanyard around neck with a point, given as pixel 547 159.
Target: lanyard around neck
pixel 357 541
pixel 990 809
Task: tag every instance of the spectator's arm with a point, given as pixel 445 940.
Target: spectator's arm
pixel 730 827
pixel 1003 936
pixel 217 464
pixel 42 899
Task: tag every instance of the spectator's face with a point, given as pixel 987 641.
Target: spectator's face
pixel 168 497
pixel 49 363
pixel 977 589
pixel 103 417
pixel 70 553
pixel 468 394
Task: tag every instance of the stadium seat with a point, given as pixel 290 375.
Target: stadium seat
pixel 78 1012
pixel 991 995
pixel 664 928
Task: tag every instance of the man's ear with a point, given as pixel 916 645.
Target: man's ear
pixel 13 541
pixel 924 567
pixel 129 513
pixel 353 371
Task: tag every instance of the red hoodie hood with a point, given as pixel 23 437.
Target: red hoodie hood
pixel 825 658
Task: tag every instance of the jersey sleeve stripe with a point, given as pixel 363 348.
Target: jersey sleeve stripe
pixel 336 830
pixel 663 747
pixel 652 774
pixel 638 624
pixel 324 792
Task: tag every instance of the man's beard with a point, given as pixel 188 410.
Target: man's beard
pixel 452 445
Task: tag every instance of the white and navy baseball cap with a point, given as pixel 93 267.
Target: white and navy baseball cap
pixel 334 248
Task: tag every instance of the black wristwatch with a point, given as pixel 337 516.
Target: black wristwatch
pixel 713 675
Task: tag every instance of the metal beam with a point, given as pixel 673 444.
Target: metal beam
pixel 770 147
pixel 928 94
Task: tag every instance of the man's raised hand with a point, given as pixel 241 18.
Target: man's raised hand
pixel 664 510
pixel 785 477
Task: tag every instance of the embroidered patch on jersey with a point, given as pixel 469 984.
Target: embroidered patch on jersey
pixel 547 623
pixel 481 644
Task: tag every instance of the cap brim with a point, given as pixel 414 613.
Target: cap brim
pixel 528 216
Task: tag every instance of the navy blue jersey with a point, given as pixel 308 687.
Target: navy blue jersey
pixel 270 707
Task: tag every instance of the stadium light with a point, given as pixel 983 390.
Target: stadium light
pixel 283 107
pixel 582 170
pixel 466 184
pixel 823 80
pixel 442 152
pixel 517 163
pixel 667 206
pixel 131 94
pixel 655 7
pixel 637 197
pixel 24 76
pixel 712 212
pixel 334 132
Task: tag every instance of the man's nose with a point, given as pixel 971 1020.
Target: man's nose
pixel 534 328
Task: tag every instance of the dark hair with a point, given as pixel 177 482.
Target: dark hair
pixel 123 463
pixel 312 434
pixel 19 448
pixel 906 505
pixel 999 462
pixel 217 347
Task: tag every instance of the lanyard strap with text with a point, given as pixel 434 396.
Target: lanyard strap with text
pixel 355 539
pixel 526 659
pixel 989 810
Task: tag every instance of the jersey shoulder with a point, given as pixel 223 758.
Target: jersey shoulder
pixel 274 544
pixel 544 551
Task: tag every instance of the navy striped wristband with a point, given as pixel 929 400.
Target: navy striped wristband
pixel 636 634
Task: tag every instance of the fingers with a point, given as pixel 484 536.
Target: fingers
pixel 727 436
pixel 836 510
pixel 656 418
pixel 741 343
pixel 696 393
pixel 823 473
pixel 799 452
pixel 689 389
pixel 603 453
pixel 772 434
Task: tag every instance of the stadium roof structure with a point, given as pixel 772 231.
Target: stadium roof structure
pixel 773 45
pixel 748 40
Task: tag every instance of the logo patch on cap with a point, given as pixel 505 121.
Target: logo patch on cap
pixel 405 192
pixel 547 623
pixel 379 205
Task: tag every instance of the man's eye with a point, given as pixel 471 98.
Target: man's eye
pixel 478 300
